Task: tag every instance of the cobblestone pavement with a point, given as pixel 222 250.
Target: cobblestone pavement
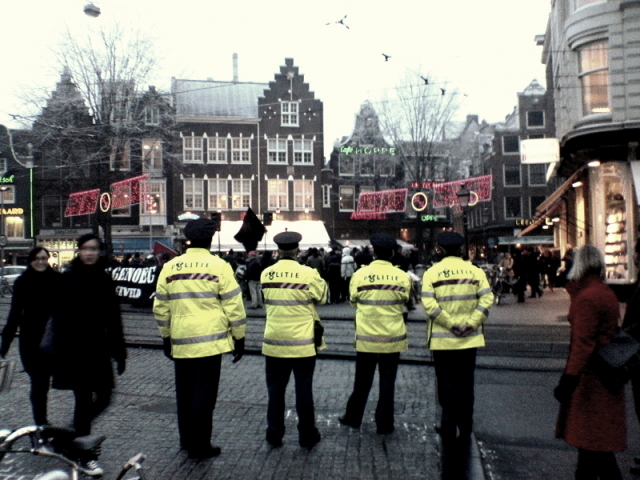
pixel 142 419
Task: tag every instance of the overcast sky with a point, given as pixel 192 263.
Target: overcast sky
pixel 484 49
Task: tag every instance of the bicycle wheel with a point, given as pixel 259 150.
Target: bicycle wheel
pixel 498 292
pixel 6 290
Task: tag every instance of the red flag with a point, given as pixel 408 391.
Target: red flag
pixel 159 248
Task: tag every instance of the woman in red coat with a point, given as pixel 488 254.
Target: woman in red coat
pixel 592 418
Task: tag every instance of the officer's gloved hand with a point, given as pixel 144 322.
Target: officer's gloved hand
pixel 121 366
pixel 566 387
pixel 166 346
pixel 238 349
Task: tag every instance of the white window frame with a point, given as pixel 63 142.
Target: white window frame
pixel 240 150
pixel 289 114
pixel 240 193
pixel 303 192
pixel 542 166
pixel 302 152
pixel 218 190
pixel 504 176
pixel 277 151
pixel 216 149
pixel 8 195
pixel 544 118
pixel 504 151
pixel 158 189
pixel 192 149
pixel 13 226
pixel 193 193
pixel 326 196
pixel 278 193
pixel 588 73
pixel 151 115
pixel 151 155
pixel 353 206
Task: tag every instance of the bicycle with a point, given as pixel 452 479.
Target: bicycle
pixel 62 444
pixel 6 290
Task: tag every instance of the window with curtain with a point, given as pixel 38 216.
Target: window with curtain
pixel 594 77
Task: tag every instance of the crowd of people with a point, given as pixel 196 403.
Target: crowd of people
pixel 73 337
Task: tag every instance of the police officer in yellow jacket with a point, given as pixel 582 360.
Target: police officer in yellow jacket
pixel 379 291
pixel 456 297
pixel 291 292
pixel 200 313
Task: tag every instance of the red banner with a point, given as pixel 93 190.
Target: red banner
pixel 82 203
pixel 384 201
pixel 127 192
pixel 445 193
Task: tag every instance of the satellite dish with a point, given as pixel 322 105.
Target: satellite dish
pixel 91 10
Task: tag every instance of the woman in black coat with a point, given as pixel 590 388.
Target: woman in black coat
pixel 34 298
pixel 87 335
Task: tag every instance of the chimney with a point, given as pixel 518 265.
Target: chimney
pixel 235 68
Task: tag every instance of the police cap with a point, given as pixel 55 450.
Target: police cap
pixel 382 240
pixel 201 229
pixel 450 239
pixel 287 240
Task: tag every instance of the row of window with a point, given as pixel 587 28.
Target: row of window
pixel 151 154
pixel 218 196
pixel 365 165
pixel 513 174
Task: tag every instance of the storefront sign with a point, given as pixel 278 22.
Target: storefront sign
pixel 540 150
pixel 135 284
pixel 13 211
pixel 7 179
pixel 431 218
pixel 368 150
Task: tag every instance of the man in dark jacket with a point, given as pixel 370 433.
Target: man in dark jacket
pixel 254 270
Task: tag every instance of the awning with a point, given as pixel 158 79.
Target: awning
pixel 550 205
pixel 358 242
pixel 537 240
pixel 314 234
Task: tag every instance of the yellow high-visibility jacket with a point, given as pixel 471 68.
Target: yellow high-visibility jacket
pixel 455 292
pixel 199 305
pixel 379 291
pixel 291 293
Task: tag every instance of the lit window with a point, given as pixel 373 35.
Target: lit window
pixel 216 150
pixel 278 194
pixel 512 176
pixel 241 193
pixel 192 149
pixel 240 150
pixel 154 198
pixel 151 155
pixel 302 194
pixel 14 227
pixel 218 194
pixel 289 114
pixel 303 152
pixel 277 149
pixel 594 77
pixel 193 194
pixel 347 199
pixel 120 156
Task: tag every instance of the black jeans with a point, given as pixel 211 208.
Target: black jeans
pixel 278 371
pixel 88 407
pixel 597 465
pixel 197 381
pixel 365 370
pixel 455 373
pixel 40 382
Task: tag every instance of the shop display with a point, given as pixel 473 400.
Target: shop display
pixel 616 237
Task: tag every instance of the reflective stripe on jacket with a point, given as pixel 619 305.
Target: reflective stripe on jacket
pixel 379 291
pixel 199 305
pixel 291 292
pixel 455 292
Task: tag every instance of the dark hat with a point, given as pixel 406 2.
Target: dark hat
pixel 450 239
pixel 382 240
pixel 287 240
pixel 201 229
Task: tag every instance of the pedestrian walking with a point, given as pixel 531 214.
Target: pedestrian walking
pixel 35 295
pixel 291 337
pixel 87 335
pixel 347 267
pixel 592 417
pixel 254 270
pixel 379 292
pixel 200 314
pixel 456 297
pixel 334 278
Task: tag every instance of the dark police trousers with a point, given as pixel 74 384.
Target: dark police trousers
pixel 278 371
pixel 455 373
pixel 365 370
pixel 197 382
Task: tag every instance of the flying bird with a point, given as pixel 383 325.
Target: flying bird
pixel 426 80
pixel 443 90
pixel 386 57
pixel 341 22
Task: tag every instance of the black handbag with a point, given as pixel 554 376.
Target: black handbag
pixel 318 331
pixel 616 361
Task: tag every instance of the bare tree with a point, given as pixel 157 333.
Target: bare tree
pixel 417 118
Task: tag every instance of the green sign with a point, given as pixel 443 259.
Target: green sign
pixel 10 179
pixel 430 218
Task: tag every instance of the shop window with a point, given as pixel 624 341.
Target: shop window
pixel 512 176
pixel 512 207
pixel 510 144
pixel 347 199
pixel 594 77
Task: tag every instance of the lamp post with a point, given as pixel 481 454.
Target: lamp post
pixel 464 195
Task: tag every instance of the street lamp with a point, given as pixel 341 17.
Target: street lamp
pixel 464 195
